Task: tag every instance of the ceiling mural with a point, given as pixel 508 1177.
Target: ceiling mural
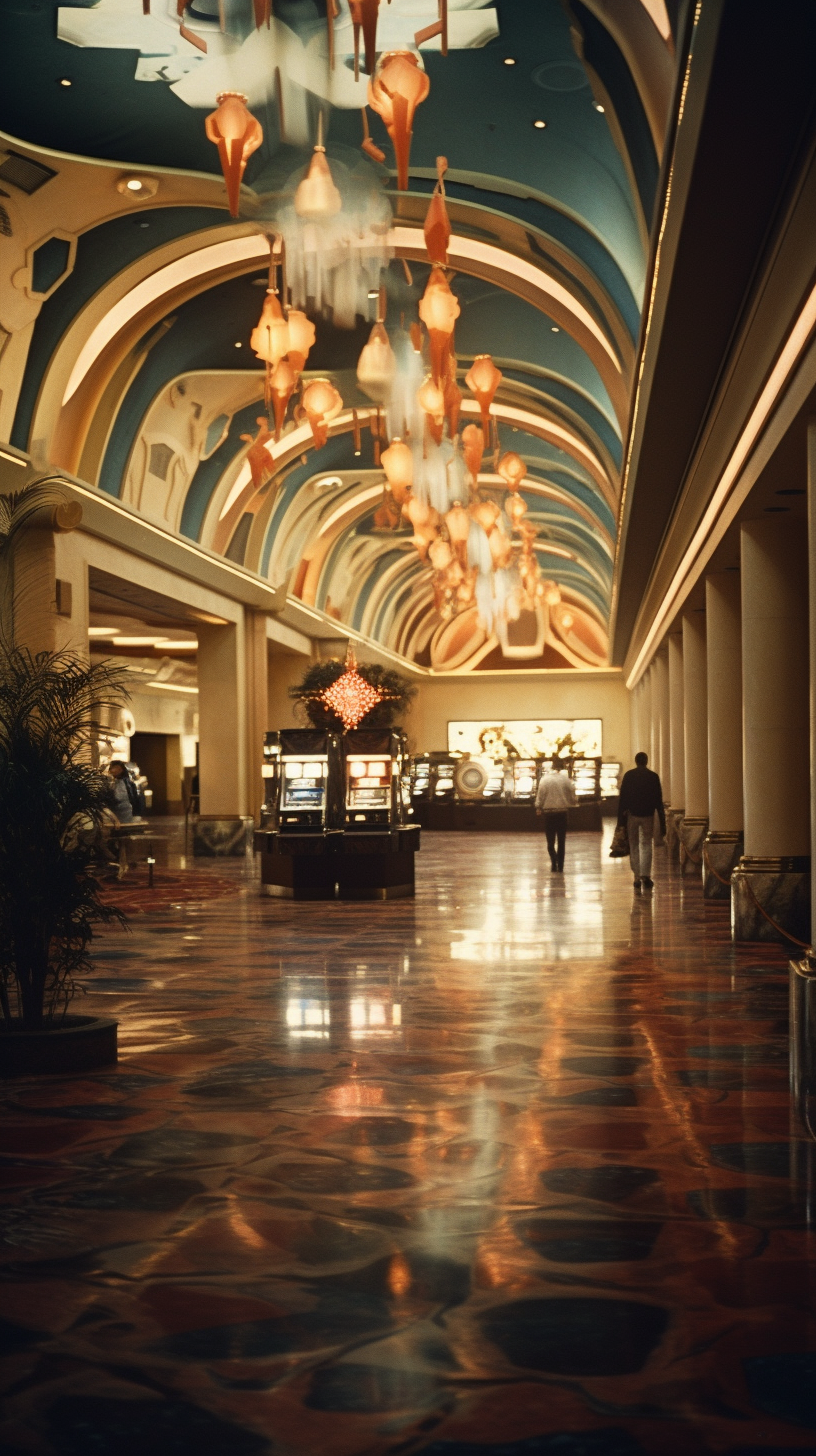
pixel 404 403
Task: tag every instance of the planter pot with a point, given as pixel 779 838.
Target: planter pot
pixel 77 1044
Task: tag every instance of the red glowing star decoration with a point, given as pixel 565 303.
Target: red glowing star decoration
pixel 351 697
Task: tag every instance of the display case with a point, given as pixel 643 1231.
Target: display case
pixel 610 779
pixel 586 776
pixel 373 778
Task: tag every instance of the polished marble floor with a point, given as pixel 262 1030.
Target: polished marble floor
pixel 508 1170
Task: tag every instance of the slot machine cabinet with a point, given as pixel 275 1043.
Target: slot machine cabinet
pixel 525 780
pixel 373 778
pixel 334 825
pixel 301 778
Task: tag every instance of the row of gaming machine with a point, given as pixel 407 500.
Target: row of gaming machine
pixel 365 779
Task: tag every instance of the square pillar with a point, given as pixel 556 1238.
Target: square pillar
pixel 695 742
pixel 724 842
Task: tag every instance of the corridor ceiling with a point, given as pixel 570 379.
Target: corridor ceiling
pixel 126 323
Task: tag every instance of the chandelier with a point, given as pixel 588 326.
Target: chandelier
pixel 350 696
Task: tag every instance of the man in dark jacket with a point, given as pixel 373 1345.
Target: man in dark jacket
pixel 641 797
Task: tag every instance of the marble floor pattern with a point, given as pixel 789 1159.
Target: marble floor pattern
pixel 507 1170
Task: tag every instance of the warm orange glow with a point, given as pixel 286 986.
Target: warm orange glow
pixel 512 469
pixel 439 310
pixel 237 135
pixel 282 387
pixel 483 379
pixel 301 338
pixel 417 511
pixel 440 554
pixel 376 366
pixel 486 514
pixel 473 443
pixel 431 399
pixel 437 227
pixel 398 464
pixel 321 402
pixel 270 337
pixel 516 507
pixel 399 1276
pixel 351 697
pixel 316 197
pixel 394 92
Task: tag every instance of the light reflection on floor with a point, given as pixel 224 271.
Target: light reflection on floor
pixel 505 1171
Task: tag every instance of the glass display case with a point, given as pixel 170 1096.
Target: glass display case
pixel 586 775
pixel 610 779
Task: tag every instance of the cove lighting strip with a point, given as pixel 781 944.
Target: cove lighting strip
pixel 758 418
pixel 256 249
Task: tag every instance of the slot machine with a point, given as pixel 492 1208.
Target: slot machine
pixel 374 767
pixel 300 777
pixel 525 780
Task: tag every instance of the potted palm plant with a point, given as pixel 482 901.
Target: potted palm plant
pixel 52 805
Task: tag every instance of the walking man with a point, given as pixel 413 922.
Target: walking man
pixel 641 797
pixel 556 794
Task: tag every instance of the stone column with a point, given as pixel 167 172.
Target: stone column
pixel 724 841
pixel 652 745
pixel 677 746
pixel 803 967
pixel 695 740
pixel 660 668
pixel 257 712
pixel 771 886
pixel 223 825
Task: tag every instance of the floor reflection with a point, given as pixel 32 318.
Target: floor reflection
pixel 505 1171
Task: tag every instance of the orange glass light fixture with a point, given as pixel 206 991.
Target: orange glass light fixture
pixel 418 511
pixel 483 379
pixel 437 228
pixel 395 91
pixel 516 507
pixel 439 310
pixel 237 134
pixel 316 197
pixel 270 336
pixel 321 402
pixel 302 335
pixel 364 15
pixel 457 521
pixel 377 365
pixel 351 697
pixel 440 554
pixel 282 387
pixel 485 514
pixel 511 468
pixel 473 443
pixel 398 463
pixel 431 399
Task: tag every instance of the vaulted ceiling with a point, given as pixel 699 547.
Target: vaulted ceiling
pixel 126 323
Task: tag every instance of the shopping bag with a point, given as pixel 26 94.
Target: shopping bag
pixel 620 842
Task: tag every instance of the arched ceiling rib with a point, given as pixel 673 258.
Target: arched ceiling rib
pixel 132 378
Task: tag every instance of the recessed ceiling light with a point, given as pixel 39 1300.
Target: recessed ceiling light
pixel 137 188
pixel 555 329
pixel 509 60
pixel 539 125
pixel 65 81
pixel 102 631
pixel 238 344
pixel 598 106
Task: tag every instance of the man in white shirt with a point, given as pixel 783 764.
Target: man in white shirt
pixel 556 794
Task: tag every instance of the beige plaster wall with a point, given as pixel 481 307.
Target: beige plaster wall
pixel 284 670
pixel 556 695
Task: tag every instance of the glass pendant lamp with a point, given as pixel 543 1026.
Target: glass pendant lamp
pixel 396 89
pixel 237 134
